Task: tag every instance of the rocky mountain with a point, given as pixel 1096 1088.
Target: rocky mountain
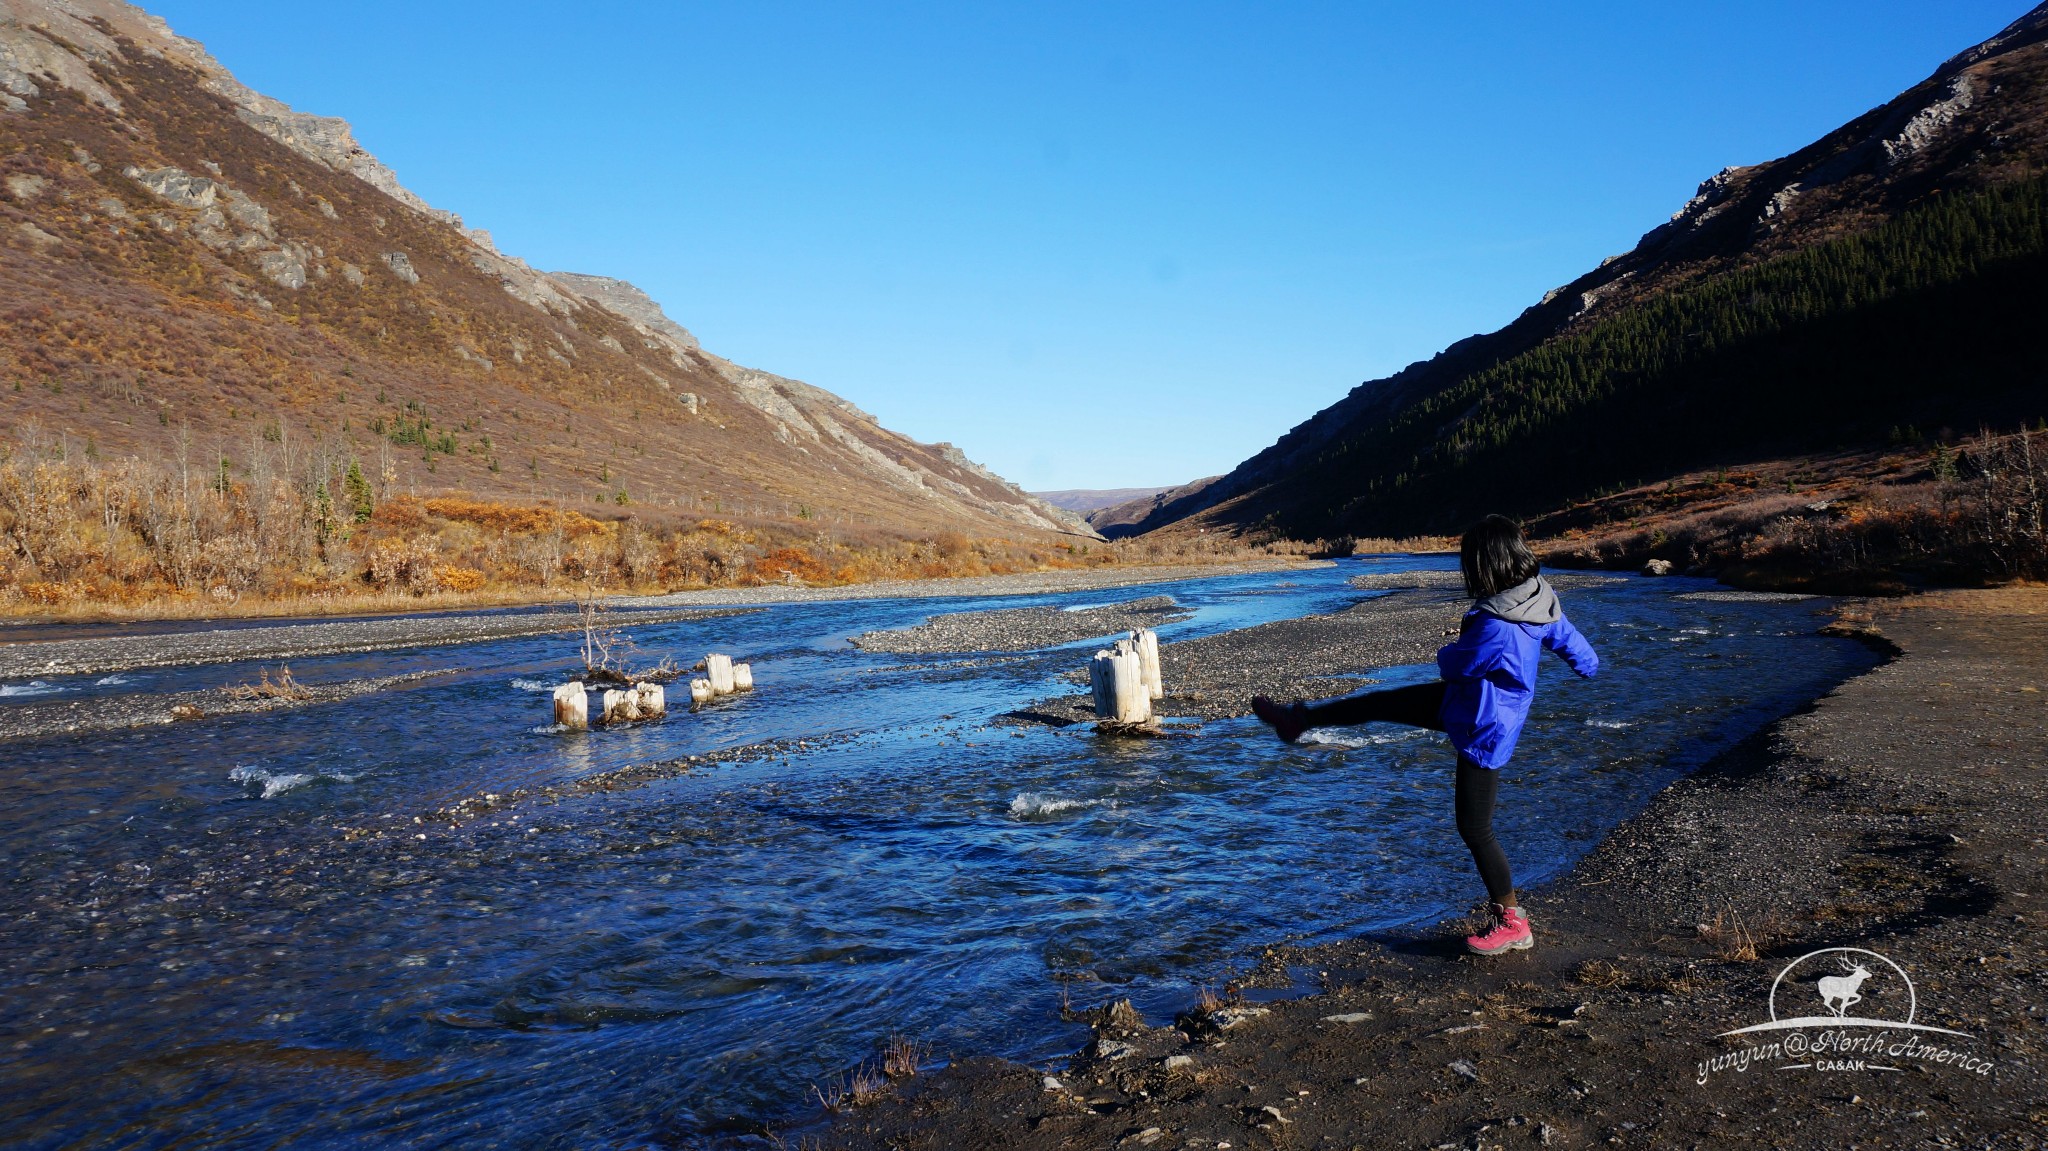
pixel 1887 279
pixel 1085 500
pixel 190 269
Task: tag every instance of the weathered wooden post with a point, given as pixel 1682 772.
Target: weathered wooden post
pixel 1118 679
pixel 1133 700
pixel 743 677
pixel 621 706
pixel 653 700
pixel 700 691
pixel 1102 682
pixel 718 669
pixel 572 706
pixel 1148 657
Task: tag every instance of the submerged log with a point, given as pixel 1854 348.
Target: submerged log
pixel 700 691
pixel 572 706
pixel 718 669
pixel 743 677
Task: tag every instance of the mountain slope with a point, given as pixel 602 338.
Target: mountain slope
pixel 1892 273
pixel 191 270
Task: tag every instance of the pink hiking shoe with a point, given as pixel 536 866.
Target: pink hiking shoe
pixel 1510 932
pixel 1288 721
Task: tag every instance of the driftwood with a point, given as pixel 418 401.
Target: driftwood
pixel 743 677
pixel 700 691
pixel 718 669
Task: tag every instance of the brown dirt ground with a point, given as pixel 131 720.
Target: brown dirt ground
pixel 1902 813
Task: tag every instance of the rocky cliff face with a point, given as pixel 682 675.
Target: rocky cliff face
pixel 1980 121
pixel 190 266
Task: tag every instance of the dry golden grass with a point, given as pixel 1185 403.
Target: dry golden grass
pixel 1730 938
pixel 278 535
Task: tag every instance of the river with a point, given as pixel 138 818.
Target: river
pixel 256 930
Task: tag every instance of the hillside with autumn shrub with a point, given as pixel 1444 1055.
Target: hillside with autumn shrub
pixel 225 330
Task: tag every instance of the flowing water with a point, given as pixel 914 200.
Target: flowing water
pixel 235 933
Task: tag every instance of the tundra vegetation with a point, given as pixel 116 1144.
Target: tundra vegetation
pixel 270 532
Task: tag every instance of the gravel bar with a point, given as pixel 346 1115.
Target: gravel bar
pixel 113 713
pixel 1312 657
pixel 298 640
pixel 1021 629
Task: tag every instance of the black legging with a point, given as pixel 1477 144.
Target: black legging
pixel 1421 706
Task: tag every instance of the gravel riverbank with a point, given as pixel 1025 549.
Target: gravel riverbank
pixel 1021 629
pixel 1025 583
pixel 285 642
pixel 113 713
pixel 1901 814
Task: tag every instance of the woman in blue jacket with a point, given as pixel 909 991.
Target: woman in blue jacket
pixel 1482 701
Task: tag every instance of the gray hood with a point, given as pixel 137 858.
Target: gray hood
pixel 1531 601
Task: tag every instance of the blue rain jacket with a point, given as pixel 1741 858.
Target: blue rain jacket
pixel 1489 672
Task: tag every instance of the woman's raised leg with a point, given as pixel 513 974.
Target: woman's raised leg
pixel 1418 705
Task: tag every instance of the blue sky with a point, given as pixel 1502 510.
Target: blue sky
pixel 1093 244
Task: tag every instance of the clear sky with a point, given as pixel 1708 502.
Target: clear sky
pixel 1093 244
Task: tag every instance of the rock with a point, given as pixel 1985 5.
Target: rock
pixel 1226 1018
pixel 1145 1138
pixel 401 266
pixel 1657 568
pixel 186 711
pixel 612 342
pixel 1176 1062
pixel 688 400
pixel 284 267
pixel 351 273
pixel 1051 1084
pixel 1464 1068
pixel 38 237
pixel 1113 1049
pixel 1348 1017
pixel 25 187
pixel 176 186
pixel 1267 1115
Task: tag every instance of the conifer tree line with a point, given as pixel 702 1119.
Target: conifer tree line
pixel 1937 319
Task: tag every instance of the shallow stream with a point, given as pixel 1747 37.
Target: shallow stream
pixel 234 933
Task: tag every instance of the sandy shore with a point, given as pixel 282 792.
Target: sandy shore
pixel 1903 814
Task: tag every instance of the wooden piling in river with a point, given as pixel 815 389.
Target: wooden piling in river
pixel 572 706
pixel 718 669
pixel 1147 642
pixel 1117 677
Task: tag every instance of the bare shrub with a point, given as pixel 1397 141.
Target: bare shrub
pixel 283 687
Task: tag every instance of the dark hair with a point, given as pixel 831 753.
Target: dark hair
pixel 1494 557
